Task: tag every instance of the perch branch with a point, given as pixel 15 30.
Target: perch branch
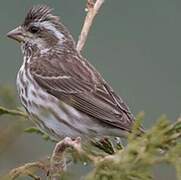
pixel 92 8
pixel 58 159
pixel 28 169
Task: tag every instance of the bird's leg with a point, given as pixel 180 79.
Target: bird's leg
pixel 104 144
pixel 108 145
pixel 58 161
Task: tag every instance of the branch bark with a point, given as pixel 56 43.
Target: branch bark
pixel 58 158
pixel 92 8
pixel 29 169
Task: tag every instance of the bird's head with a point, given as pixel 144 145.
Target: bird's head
pixel 42 29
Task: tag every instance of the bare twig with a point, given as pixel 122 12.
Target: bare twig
pixel 93 8
pixel 58 158
pixel 58 162
pixel 28 169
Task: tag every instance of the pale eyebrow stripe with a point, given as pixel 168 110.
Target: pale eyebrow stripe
pixel 50 26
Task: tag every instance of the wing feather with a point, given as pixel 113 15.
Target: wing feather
pixel 84 89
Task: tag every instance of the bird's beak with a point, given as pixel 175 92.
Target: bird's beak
pixel 16 34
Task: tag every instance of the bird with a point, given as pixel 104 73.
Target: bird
pixel 61 91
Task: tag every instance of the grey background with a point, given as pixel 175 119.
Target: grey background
pixel 135 44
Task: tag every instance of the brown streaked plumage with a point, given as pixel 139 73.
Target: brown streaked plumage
pixel 60 90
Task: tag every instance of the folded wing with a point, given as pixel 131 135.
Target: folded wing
pixel 78 84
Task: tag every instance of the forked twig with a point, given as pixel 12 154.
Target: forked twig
pixel 58 161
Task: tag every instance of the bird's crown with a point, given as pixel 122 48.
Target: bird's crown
pixel 40 13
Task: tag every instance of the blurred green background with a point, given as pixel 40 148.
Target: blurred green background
pixel 135 44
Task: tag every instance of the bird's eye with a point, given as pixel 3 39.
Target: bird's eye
pixel 34 29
